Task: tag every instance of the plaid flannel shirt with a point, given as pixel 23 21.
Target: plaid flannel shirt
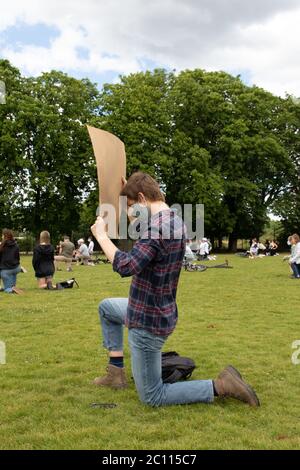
pixel 155 263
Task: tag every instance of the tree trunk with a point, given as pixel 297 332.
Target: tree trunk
pixel 232 245
pixel 37 213
pixel 220 243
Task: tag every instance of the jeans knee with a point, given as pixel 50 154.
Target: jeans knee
pixel 103 306
pixel 153 399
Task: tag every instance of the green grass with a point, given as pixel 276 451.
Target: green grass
pixel 247 316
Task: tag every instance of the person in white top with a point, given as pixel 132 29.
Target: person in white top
pixel 194 246
pixel 189 255
pixel 91 246
pixel 261 248
pixel 82 253
pixel 204 249
pixel 295 256
pixel 254 248
pixel 290 256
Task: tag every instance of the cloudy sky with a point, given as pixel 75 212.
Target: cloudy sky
pixel 101 39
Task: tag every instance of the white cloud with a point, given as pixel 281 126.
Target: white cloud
pixel 260 36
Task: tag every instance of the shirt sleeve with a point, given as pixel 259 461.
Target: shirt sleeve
pixel 35 259
pixel 132 263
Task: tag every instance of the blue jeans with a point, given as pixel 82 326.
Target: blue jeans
pixel 9 278
pixel 296 269
pixel 146 360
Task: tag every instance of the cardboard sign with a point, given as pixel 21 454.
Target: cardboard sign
pixel 110 156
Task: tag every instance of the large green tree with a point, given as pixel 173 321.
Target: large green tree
pixel 142 110
pixel 59 157
pixel 45 134
pixel 209 139
pixel 287 206
pixel 12 171
pixel 240 127
pixel 206 136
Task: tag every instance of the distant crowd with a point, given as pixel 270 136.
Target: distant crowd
pixel 257 248
pixel 47 260
pixel 198 250
pixel 201 249
pixel 44 261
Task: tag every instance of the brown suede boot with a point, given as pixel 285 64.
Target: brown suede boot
pixel 234 371
pixel 230 384
pixel 114 378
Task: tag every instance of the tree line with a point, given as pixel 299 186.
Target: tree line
pixel 206 136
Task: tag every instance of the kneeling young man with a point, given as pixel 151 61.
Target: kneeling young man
pixel 150 312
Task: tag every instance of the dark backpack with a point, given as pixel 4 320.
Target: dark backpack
pixel 67 284
pixel 175 367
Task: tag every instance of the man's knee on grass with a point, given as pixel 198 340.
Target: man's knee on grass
pixel 152 399
pixel 103 307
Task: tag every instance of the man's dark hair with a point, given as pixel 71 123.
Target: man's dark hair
pixel 142 183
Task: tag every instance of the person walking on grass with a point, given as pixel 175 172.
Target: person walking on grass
pixel 150 312
pixel 290 256
pixel 295 256
pixel 43 261
pixel 10 263
pixel 91 247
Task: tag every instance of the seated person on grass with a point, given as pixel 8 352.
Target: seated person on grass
pixel 9 262
pixel 150 312
pixel 189 255
pixel 204 249
pixel 273 248
pixel 82 254
pixel 43 261
pixel 66 251
pixel 254 249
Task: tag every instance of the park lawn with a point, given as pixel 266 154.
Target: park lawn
pixel 248 316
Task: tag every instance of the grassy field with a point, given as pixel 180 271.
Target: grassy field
pixel 248 316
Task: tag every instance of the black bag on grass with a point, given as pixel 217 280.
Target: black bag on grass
pixel 175 367
pixel 67 284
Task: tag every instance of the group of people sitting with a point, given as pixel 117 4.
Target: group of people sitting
pixel 67 253
pixel 198 250
pixel 44 260
pixel 259 249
